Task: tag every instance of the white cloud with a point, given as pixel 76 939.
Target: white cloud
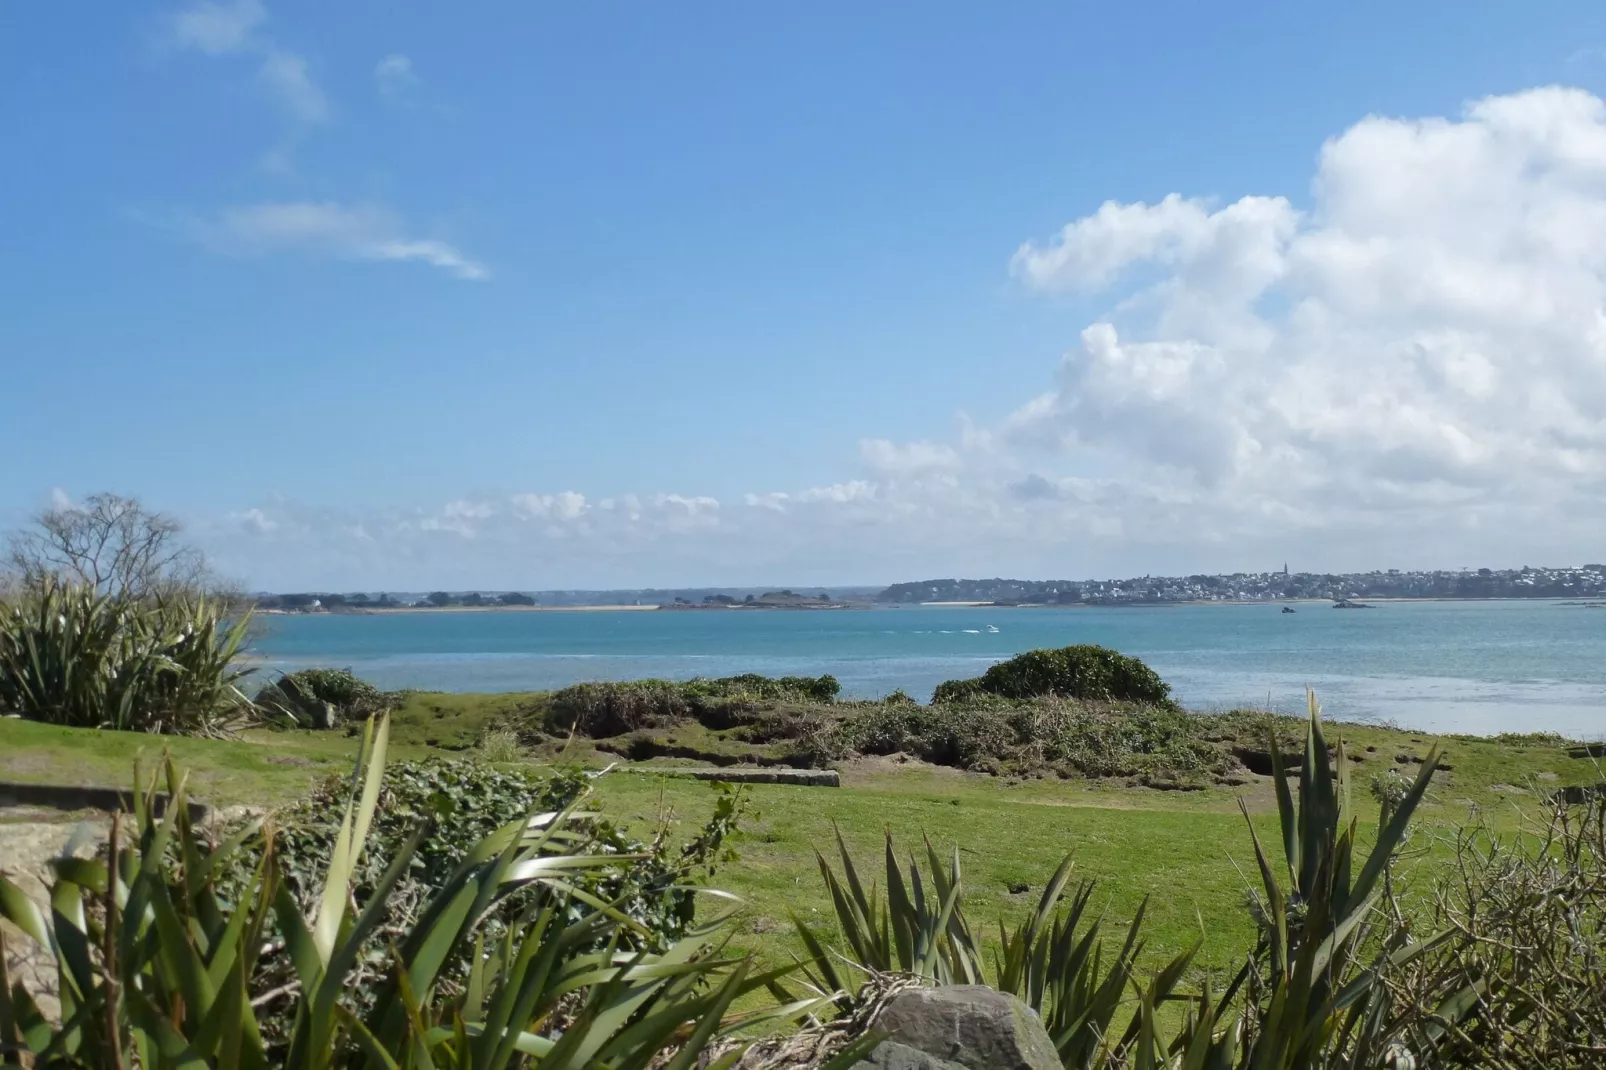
pixel 394 77
pixel 285 75
pixel 565 506
pixel 854 490
pixel 1435 324
pixel 348 232
pixel 254 521
pixel 217 28
pixel 1409 370
pixel 912 458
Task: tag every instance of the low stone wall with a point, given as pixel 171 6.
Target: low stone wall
pixel 74 797
pixel 808 778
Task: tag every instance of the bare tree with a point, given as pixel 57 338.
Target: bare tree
pixel 111 543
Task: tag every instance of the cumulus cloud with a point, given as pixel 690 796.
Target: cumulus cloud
pixel 1403 365
pixel 1432 329
pixel 348 232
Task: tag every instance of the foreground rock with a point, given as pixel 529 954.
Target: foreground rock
pixel 960 1027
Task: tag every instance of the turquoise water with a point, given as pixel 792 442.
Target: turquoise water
pixel 1479 667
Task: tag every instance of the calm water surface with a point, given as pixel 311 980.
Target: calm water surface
pixel 1438 666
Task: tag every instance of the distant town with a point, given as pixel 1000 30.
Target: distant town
pixel 1584 581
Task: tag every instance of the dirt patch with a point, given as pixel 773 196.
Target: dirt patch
pixel 29 764
pixel 870 770
pixel 1416 759
pixel 1259 762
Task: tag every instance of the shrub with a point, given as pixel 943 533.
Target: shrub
pixel 464 801
pixel 157 966
pixel 1311 995
pixel 972 736
pixel 501 746
pixel 1084 672
pixel 69 656
pixel 1529 964
pixel 608 709
pixel 1125 740
pixel 321 698
pixel 957 691
pixel 992 735
pixel 767 688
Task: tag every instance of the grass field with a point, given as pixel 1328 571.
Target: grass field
pixel 1187 851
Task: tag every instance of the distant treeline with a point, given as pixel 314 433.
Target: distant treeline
pixel 311 601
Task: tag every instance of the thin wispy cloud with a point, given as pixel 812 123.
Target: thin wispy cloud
pixel 395 79
pixel 217 29
pixel 363 232
pixel 285 74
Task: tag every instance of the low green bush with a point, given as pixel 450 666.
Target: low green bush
pixel 69 656
pixel 1156 743
pixel 1153 743
pixel 321 698
pixel 605 709
pixel 1083 671
pixel 319 952
pixel 608 708
pixel 754 687
pixel 463 801
pixel 970 736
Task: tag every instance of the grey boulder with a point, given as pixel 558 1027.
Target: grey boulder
pixel 961 1027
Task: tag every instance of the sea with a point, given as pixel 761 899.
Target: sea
pixel 1481 667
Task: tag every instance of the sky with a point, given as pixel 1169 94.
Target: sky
pixel 522 296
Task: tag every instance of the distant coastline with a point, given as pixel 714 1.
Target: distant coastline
pixel 385 611
pixel 1239 588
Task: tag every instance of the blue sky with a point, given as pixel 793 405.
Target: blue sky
pixel 402 295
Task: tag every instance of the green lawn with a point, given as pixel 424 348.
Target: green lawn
pixel 1187 851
